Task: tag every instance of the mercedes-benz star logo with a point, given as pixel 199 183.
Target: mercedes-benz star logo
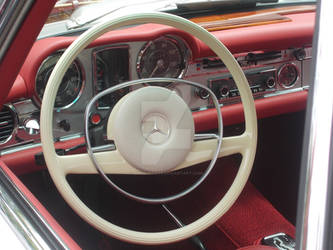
pixel 155 129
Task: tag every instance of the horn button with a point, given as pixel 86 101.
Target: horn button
pixel 152 128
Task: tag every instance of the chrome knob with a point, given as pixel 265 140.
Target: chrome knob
pixel 270 82
pixel 31 126
pixel 202 93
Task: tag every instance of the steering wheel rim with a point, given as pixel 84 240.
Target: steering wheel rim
pixel 245 144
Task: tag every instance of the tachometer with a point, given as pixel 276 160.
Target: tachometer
pixel 71 85
pixel 162 57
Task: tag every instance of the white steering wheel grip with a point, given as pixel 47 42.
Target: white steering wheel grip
pixel 59 166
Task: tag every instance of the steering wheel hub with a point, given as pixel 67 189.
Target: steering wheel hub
pixel 152 128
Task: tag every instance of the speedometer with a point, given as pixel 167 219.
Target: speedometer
pixel 162 57
pixel 70 87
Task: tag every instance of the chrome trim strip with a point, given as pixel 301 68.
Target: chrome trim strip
pixel 71 137
pixel 104 148
pixel 19 148
pixel 16 149
pixel 313 216
pixel 26 231
pixel 283 92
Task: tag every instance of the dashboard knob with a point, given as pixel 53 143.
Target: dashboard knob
pixel 31 126
pixel 64 124
pixel 270 82
pixel 202 93
pixel 299 54
pixel 224 92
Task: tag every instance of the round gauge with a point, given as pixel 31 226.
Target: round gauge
pixel 161 58
pixel 70 87
pixel 288 75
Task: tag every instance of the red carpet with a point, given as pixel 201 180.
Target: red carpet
pixel 251 218
pixel 248 220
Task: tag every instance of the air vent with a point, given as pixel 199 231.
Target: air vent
pixel 7 124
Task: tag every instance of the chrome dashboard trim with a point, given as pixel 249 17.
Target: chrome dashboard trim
pixel 16 149
pixel 283 92
pixel 19 148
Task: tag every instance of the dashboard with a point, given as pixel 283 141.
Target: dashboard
pixel 116 58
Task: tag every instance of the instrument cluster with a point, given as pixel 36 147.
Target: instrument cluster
pixel 99 68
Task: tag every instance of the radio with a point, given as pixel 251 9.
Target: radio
pixel 261 82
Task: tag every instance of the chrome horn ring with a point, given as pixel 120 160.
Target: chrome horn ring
pixel 166 199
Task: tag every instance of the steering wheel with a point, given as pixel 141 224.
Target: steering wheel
pixel 120 162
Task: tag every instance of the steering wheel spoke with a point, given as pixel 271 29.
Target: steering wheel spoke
pixel 111 162
pixel 205 144
pixel 234 144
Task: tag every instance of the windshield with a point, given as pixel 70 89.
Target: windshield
pixel 69 15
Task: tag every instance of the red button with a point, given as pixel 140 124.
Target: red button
pixel 95 119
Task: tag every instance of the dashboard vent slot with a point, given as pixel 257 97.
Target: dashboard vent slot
pixel 209 63
pixel 7 124
pixel 265 56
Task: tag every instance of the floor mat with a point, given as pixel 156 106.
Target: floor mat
pixel 251 218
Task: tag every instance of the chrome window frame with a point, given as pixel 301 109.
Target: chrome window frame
pixel 315 201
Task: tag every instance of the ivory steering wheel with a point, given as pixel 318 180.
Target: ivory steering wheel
pixel 114 162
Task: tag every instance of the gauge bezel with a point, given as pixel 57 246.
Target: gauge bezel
pixel 296 79
pixel 36 98
pixel 181 45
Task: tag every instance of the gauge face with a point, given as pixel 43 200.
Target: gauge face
pixel 111 68
pixel 288 75
pixel 161 58
pixel 70 86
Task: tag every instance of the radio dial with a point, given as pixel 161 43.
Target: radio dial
pixel 270 83
pixel 202 93
pixel 224 91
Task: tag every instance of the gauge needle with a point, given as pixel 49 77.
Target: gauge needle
pixel 159 64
